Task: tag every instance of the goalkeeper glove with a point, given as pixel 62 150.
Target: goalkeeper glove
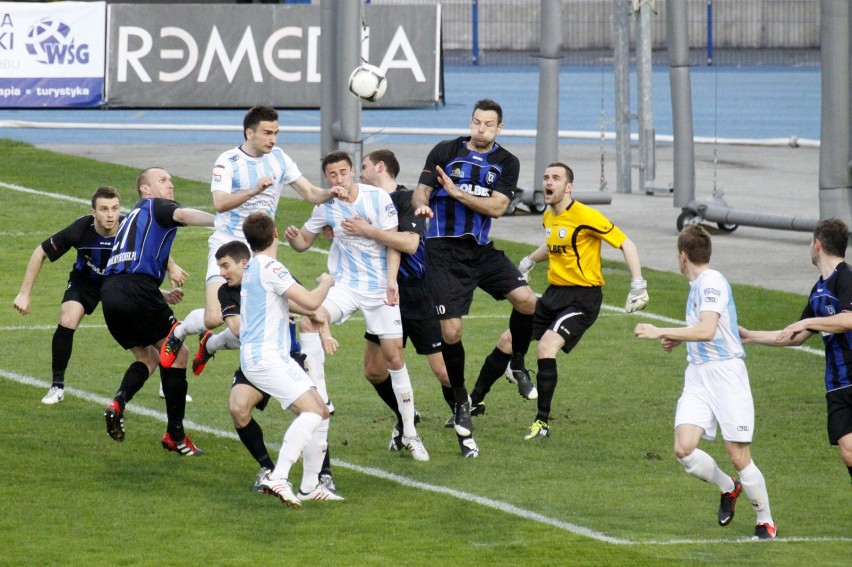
pixel 637 299
pixel 525 266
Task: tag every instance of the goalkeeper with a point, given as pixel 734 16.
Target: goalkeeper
pixel 572 301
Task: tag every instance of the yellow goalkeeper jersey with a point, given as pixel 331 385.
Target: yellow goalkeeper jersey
pixel 573 240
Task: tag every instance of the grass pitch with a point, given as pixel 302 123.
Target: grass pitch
pixel 605 489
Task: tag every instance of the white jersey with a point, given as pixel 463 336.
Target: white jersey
pixel 264 322
pixel 711 292
pixel 236 171
pixel 357 262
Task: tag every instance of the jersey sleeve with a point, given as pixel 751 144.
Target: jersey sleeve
pixel 223 171
pixel 317 220
pixel 507 183
pixel 387 214
pixel 713 293
pixel 608 232
pixel 275 277
pixel 438 156
pixel 164 212
pixel 229 299
pixel 408 221
pixel 67 238
pixel 291 170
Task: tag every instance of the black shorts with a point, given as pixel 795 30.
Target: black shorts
pixel 240 378
pixel 419 319
pixel 455 267
pixel 134 310
pixel 84 291
pixel 839 404
pixel 568 311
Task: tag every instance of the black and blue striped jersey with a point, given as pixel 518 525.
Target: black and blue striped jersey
pixel 411 266
pixel 144 240
pixel 93 250
pixel 830 297
pixel 475 173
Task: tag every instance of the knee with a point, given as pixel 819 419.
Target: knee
pixel 505 342
pixel 212 320
pixel 682 451
pixel 240 414
pixel 525 303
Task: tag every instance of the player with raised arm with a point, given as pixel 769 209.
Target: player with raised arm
pixel 716 391
pixel 92 236
pixel 365 271
pixel 465 183
pixel 245 179
pixel 136 313
pixel 829 313
pixel 267 288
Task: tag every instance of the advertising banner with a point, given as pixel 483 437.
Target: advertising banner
pixel 219 55
pixel 52 54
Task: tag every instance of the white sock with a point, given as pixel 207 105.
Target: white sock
pixel 754 486
pixel 295 440
pixel 312 349
pixel 401 383
pixel 193 324
pixel 223 341
pixel 313 457
pixel 702 465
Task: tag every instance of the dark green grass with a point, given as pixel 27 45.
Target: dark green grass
pixel 73 496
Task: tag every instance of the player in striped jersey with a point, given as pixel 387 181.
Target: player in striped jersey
pixel 366 274
pixel 135 310
pixel 245 179
pixel 716 391
pixel 828 312
pixel 266 288
pixel 465 183
pixel 420 324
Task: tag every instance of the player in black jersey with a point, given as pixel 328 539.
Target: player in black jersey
pixel 465 183
pixel 419 320
pixel 828 312
pixel 92 236
pixel 136 313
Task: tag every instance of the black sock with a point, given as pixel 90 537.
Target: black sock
pixel 850 470
pixel 63 341
pixel 174 389
pixel 252 437
pixel 546 379
pixel 386 393
pixel 493 367
pixel 449 397
pixel 521 327
pixel 134 378
pixel 454 360
pixel 326 462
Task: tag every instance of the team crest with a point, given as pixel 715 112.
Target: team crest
pixel 562 233
pixel 547 232
pixel 830 309
pixel 490 178
pixel 457 172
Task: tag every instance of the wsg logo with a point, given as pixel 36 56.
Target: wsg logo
pixel 51 43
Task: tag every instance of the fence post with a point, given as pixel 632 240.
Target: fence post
pixel 474 12
pixel 709 32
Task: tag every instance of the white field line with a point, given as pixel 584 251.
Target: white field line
pixel 503 507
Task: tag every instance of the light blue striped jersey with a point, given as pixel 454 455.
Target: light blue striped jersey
pixel 236 171
pixel 357 262
pixel 264 321
pixel 711 292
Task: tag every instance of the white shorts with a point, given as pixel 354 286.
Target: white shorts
pixel 718 394
pixel 383 320
pixel 216 240
pixel 283 379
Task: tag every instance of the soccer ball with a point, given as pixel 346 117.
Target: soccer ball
pixel 368 83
